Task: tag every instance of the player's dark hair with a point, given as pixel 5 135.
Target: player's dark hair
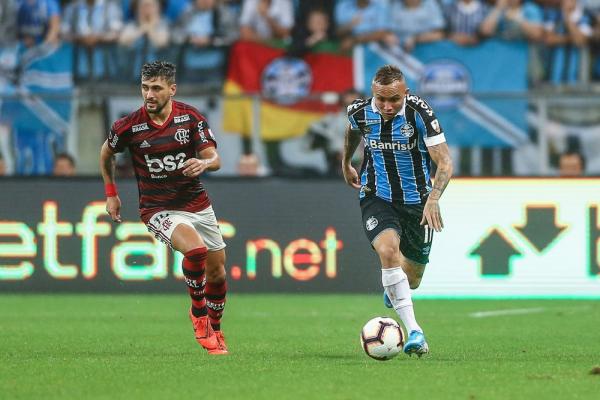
pixel 388 74
pixel 159 69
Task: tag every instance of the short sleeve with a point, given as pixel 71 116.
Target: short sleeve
pixel 433 132
pixel 352 111
pixel 118 137
pixel 203 136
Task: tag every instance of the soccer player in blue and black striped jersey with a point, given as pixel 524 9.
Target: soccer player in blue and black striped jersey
pixel 399 204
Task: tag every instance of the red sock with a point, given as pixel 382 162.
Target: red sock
pixel 194 263
pixel 215 301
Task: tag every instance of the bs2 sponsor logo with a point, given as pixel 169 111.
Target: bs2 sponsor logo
pixel 167 163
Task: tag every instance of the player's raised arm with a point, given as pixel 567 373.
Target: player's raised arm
pixel 351 141
pixel 440 154
pixel 107 168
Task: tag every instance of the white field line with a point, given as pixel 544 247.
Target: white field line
pixel 512 311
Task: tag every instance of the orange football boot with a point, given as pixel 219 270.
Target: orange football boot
pixel 222 349
pixel 204 332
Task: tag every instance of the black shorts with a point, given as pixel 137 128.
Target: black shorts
pixel 415 239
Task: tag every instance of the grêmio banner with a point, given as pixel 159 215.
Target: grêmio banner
pixel 502 238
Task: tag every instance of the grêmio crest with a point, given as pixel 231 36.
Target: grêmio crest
pixel 286 80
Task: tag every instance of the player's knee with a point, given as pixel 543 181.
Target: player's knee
pixel 185 238
pixel 388 254
pixel 215 273
pixel 216 278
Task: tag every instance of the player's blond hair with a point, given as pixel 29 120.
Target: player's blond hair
pixel 388 74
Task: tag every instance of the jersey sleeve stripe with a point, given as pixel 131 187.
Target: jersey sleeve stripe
pixel 434 140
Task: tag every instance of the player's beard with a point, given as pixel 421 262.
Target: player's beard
pixel 158 108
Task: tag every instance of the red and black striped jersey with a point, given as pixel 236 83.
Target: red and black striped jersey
pixel 158 153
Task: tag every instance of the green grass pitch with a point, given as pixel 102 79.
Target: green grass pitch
pixel 293 347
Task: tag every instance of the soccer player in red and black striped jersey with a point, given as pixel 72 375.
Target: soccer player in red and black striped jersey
pixel 171 145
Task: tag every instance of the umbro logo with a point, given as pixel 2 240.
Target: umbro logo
pixel 144 144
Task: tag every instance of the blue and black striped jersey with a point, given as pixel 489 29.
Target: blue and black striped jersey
pixel 396 165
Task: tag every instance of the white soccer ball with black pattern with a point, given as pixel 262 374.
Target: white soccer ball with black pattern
pixel 382 338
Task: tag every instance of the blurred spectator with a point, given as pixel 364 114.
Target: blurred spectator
pixel 174 9
pixel 313 33
pixel 566 30
pixel 228 26
pixel 8 25
pixel 9 60
pixel 266 19
pixel 197 25
pixel 513 20
pixel 197 29
pixel 2 167
pixel 249 165
pixel 417 21
pixel 304 25
pixel 571 164
pixel 144 37
pixel 594 11
pixel 93 25
pixel 324 134
pixel 38 21
pixel 464 19
pixel 149 28
pixel 64 165
pixel 361 21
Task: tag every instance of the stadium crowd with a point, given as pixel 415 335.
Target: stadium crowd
pixel 196 33
pixel 113 38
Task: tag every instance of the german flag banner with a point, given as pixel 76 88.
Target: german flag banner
pixel 290 89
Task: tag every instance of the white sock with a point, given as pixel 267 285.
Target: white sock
pixel 395 284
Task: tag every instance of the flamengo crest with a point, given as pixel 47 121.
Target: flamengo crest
pixel 182 135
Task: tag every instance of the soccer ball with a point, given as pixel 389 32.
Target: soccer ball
pixel 382 338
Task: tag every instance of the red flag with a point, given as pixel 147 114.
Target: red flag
pixel 291 89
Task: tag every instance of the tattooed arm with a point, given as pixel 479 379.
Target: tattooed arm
pixel 431 212
pixel 351 141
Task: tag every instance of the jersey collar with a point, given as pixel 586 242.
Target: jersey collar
pixel 401 112
pixel 167 121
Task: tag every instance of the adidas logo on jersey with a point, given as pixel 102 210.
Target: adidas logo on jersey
pixel 144 144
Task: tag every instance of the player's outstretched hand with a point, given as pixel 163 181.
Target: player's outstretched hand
pixel 113 208
pixel 350 176
pixel 193 167
pixel 432 215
